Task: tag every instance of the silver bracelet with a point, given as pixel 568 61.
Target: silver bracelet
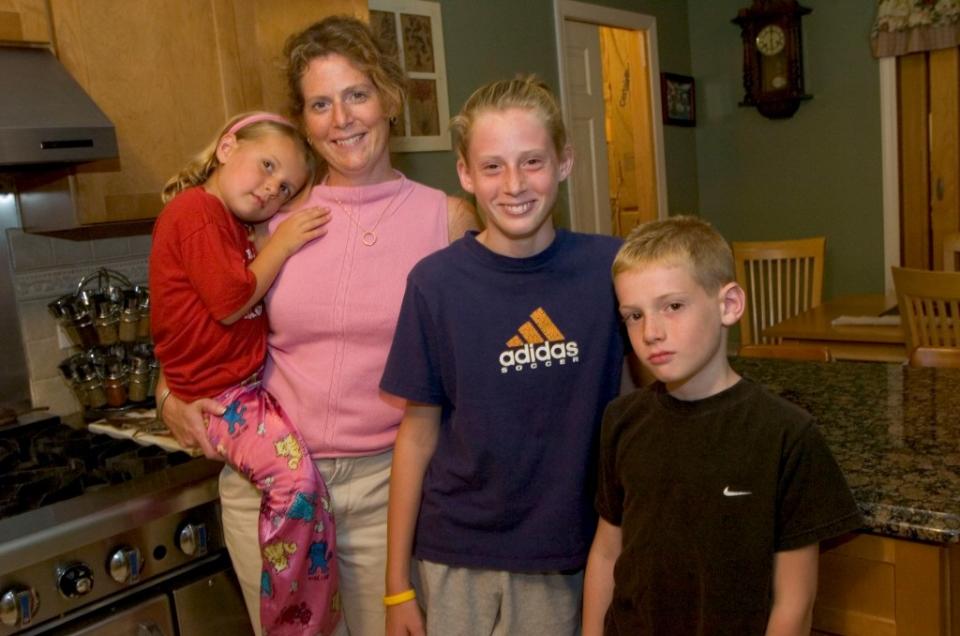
pixel 163 398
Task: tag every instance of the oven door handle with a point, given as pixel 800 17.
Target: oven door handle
pixel 149 629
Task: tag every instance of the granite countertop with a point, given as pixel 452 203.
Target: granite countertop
pixel 894 430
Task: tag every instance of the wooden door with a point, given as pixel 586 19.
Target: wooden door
pixel 630 134
pixel 589 181
pixel 168 74
pixel 929 122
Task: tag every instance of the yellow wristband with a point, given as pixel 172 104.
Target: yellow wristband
pixel 402 597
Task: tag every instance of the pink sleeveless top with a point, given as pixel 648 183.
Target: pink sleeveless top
pixel 333 310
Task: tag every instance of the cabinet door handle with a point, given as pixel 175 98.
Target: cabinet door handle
pixel 939 189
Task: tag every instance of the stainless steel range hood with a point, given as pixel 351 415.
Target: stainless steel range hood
pixel 45 116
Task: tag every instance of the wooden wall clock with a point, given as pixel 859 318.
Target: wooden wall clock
pixel 772 56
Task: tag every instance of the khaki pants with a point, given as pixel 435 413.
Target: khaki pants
pixel 358 488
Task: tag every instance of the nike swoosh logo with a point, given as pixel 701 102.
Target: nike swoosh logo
pixel 735 493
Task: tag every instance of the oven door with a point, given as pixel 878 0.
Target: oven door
pixel 152 617
pixel 212 606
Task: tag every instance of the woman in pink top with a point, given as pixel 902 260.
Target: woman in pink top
pixel 334 307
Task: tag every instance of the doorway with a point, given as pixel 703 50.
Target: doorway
pixel 920 135
pixel 611 98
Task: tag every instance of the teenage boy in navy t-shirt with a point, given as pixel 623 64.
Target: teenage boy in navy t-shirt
pixel 508 347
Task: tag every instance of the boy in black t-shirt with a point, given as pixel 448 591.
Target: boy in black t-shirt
pixel 713 493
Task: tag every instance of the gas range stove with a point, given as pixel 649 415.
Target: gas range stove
pixel 88 520
pixel 43 461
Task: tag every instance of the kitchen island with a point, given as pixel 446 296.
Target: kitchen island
pixel 895 431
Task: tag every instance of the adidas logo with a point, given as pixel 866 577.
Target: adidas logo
pixel 538 341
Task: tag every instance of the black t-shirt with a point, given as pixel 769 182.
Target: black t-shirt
pixel 705 493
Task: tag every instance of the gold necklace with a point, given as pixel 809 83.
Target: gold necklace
pixel 369 237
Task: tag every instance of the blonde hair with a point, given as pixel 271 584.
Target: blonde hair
pixel 204 163
pixel 528 93
pixel 687 240
pixel 354 40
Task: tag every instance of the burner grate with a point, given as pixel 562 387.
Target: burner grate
pixel 53 462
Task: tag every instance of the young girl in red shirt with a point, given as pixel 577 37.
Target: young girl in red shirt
pixel 209 329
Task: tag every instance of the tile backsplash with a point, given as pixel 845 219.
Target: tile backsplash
pixel 45 268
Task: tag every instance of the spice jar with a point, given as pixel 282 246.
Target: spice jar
pixel 68 371
pixel 83 324
pixel 139 388
pixel 62 310
pixel 143 307
pixel 115 383
pixel 107 323
pixel 91 386
pixel 128 324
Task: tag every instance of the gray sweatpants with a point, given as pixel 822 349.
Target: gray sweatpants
pixel 475 602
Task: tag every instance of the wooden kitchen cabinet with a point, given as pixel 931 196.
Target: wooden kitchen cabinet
pixel 880 586
pixel 168 73
pixel 24 21
pixel 261 31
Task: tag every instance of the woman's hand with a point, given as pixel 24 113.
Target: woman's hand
pixel 405 619
pixel 187 420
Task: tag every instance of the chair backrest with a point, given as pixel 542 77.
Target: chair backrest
pixel 781 279
pixel 935 357
pixel 812 353
pixel 929 303
pixel 951 252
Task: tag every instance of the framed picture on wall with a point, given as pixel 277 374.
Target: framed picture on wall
pixel 678 97
pixel 412 32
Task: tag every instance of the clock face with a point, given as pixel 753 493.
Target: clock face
pixel 771 40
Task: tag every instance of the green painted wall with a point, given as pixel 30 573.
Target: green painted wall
pixel 486 40
pixel 482 44
pixel 818 173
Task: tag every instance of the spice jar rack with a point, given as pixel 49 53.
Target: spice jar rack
pixel 108 319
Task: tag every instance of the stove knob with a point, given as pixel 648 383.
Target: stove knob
pixel 18 606
pixel 124 565
pixel 192 539
pixel 75 580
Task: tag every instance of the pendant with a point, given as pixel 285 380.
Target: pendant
pixel 368 238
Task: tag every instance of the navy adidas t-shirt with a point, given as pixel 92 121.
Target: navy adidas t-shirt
pixel 522 355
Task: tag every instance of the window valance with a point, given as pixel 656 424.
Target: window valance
pixel 908 26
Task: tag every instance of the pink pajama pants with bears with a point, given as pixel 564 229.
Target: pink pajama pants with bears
pixel 299 581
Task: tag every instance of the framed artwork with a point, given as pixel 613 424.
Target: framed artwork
pixel 678 94
pixel 412 32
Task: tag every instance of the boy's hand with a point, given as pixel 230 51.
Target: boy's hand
pixel 300 228
pixel 405 619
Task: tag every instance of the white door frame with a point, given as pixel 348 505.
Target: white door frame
pixel 890 153
pixel 604 16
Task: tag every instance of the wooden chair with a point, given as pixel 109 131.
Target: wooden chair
pixel 951 252
pixel 935 357
pixel 929 303
pixel 811 353
pixel 781 278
